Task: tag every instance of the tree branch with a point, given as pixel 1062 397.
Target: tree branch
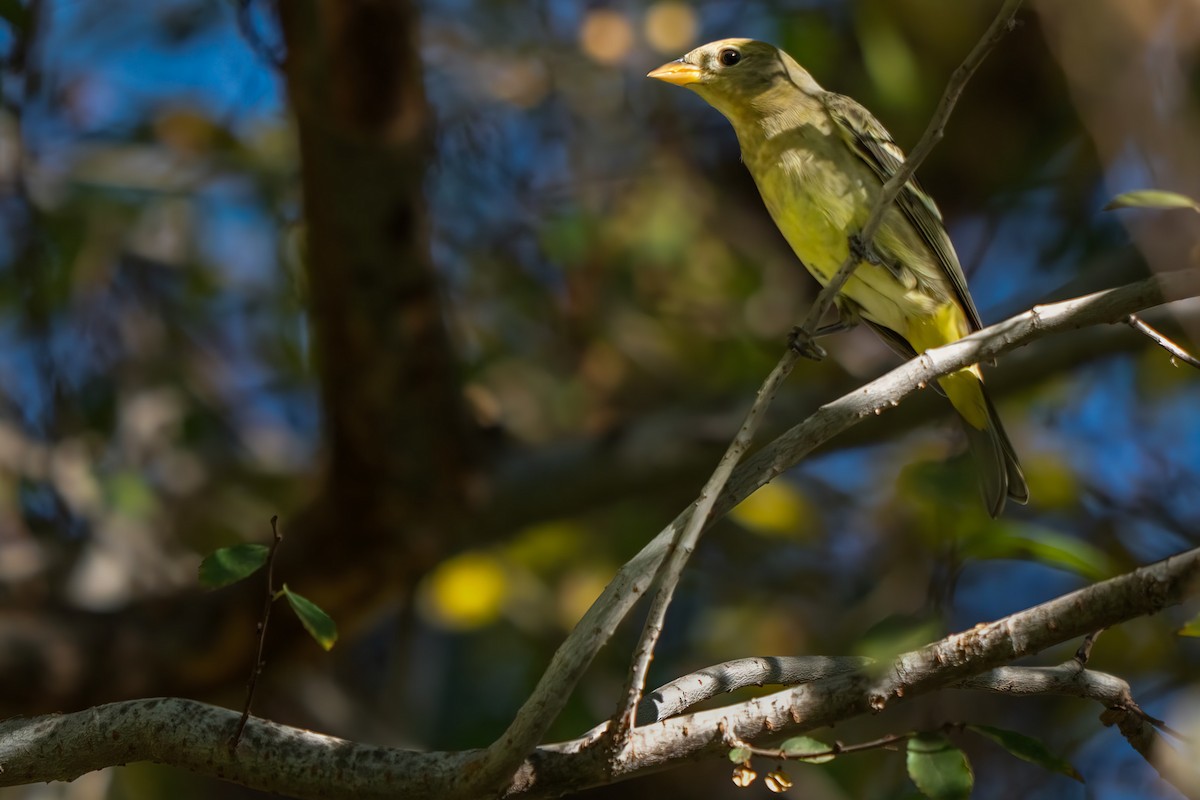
pixel 671 569
pixel 1160 339
pixel 194 736
pixel 679 695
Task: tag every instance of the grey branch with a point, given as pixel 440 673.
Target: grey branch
pixel 303 764
pixel 682 693
pixel 1160 339
pixel 671 569
pixel 1067 679
pixel 1138 727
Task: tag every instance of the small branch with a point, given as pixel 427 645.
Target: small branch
pixel 1156 336
pixel 1085 648
pixel 1138 728
pixel 933 134
pixel 191 735
pixel 1067 679
pixel 681 549
pixel 684 692
pixel 1070 680
pixel 256 670
pixel 837 748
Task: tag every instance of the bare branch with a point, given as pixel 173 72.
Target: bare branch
pixel 303 764
pixel 1156 336
pixel 684 692
pixel 681 550
pixel 257 668
pixel 195 736
pixel 1068 680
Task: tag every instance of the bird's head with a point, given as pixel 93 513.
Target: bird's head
pixel 738 76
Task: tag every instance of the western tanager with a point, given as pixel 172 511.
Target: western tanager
pixel 819 160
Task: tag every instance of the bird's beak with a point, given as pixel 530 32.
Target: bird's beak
pixel 678 72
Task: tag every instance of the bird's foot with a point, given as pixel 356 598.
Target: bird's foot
pixel 802 342
pixel 862 250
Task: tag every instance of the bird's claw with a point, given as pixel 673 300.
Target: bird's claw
pixel 802 342
pixel 862 250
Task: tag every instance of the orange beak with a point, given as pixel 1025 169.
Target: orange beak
pixel 677 72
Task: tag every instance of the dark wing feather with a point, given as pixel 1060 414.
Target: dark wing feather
pixel 874 145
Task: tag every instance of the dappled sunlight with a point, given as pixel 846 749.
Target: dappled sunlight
pixel 606 36
pixel 613 292
pixel 465 592
pixel 777 509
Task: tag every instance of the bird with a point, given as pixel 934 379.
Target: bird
pixel 820 159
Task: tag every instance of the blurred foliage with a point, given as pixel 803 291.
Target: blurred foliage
pixel 607 266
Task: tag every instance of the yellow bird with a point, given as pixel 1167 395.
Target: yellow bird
pixel 820 160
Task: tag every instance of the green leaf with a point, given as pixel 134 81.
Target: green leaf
pixel 1152 198
pixel 131 494
pixel 231 564
pixel 898 633
pixel 740 755
pixel 1191 627
pixel 800 746
pixel 939 769
pixel 1028 749
pixel 318 624
pixel 1045 546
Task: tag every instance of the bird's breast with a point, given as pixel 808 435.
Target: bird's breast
pixel 817 200
pixel 813 203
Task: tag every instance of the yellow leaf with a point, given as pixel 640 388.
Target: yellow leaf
pixel 549 546
pixel 776 509
pixel 578 590
pixel 465 592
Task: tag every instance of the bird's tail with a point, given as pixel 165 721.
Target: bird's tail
pixel 999 471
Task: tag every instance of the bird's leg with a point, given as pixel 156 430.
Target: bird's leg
pixel 842 325
pixel 805 343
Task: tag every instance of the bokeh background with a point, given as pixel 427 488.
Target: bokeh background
pixel 613 292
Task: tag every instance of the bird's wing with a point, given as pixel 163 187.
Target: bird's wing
pixel 871 141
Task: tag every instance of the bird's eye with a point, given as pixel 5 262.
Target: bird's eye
pixel 729 56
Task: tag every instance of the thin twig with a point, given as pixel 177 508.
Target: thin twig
pixel 1156 336
pixel 1085 647
pixel 933 134
pixel 837 748
pixel 681 549
pixel 256 670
